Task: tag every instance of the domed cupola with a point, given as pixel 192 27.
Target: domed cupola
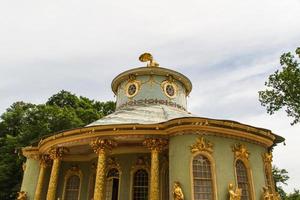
pixel 151 85
pixel 149 94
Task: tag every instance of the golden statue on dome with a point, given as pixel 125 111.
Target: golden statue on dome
pixel 147 57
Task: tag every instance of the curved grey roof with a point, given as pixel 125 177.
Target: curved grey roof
pixel 142 115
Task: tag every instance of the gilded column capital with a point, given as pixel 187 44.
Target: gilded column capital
pixel 202 145
pixel 102 145
pixel 57 152
pixel 156 144
pixel 45 160
pixel 240 152
pixel 31 153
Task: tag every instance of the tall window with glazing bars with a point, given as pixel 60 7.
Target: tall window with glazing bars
pixel 202 178
pixel 243 179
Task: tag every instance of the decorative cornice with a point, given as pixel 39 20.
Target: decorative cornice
pixel 140 102
pixel 202 145
pixel 157 144
pixel 159 71
pixel 170 128
pixel 57 152
pixel 102 145
pixel 240 152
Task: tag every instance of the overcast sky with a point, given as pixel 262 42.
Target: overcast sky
pixel 227 49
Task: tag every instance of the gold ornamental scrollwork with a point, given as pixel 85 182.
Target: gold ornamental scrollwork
pixel 268 158
pixel 202 145
pixel 112 163
pixel 169 87
pixel 102 145
pixel 132 87
pixel 57 152
pixel 157 144
pixel 177 191
pixel 240 152
pixel 268 195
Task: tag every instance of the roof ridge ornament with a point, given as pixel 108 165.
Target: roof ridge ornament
pixel 147 57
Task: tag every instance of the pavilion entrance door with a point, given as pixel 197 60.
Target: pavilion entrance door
pixel 112 185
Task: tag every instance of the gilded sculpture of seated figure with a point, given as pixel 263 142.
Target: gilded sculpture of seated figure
pixel 177 191
pixel 234 194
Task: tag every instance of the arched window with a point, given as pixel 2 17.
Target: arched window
pixel 112 185
pixel 140 185
pixel 243 179
pixel 72 188
pixel 202 178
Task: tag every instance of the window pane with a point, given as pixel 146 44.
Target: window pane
pixel 72 188
pixel 140 185
pixel 203 189
pixel 242 179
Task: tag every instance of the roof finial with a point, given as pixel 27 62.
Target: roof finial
pixel 147 57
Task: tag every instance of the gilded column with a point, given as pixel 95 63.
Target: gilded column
pixel 156 146
pixel 56 155
pixel 100 147
pixel 44 163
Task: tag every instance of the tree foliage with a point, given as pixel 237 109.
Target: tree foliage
pixel 283 88
pixel 280 178
pixel 24 123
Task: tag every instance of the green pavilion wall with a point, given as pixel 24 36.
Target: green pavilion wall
pixel 180 158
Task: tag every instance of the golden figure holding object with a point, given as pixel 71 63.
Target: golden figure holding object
pixel 234 194
pixel 177 191
pixel 147 57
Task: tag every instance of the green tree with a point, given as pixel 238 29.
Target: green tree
pixel 24 123
pixel 280 178
pixel 283 88
pixel 293 196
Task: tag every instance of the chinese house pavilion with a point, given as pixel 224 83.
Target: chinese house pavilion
pixel 152 148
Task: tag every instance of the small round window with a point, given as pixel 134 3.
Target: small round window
pixel 170 89
pixel 132 89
